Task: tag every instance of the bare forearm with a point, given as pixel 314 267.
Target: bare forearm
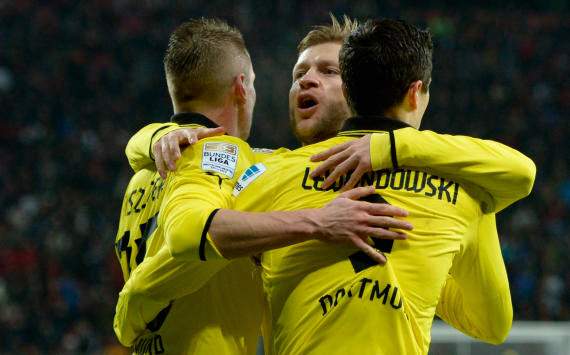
pixel 238 234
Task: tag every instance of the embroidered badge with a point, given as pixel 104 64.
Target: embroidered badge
pixel 220 157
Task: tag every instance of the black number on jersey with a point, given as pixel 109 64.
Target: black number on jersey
pixel 135 205
pixel 359 260
pixel 123 245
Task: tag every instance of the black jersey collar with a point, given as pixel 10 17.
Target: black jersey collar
pixel 193 118
pixel 361 125
pixel 356 125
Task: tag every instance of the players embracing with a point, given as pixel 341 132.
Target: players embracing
pixel 317 292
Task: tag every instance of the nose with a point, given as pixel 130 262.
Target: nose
pixel 309 80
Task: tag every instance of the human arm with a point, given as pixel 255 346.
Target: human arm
pixel 152 286
pixel 343 220
pixel 476 299
pixel 504 173
pixel 138 149
pixel 159 279
pixel 162 278
pixel 147 148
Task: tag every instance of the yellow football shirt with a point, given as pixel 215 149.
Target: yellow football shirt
pixel 138 219
pixel 139 147
pixel 333 299
pixel 489 164
pixel 504 173
pixel 467 302
pixel 205 303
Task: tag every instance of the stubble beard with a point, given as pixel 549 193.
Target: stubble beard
pixel 325 127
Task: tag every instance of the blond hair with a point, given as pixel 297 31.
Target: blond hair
pixel 200 60
pixel 335 32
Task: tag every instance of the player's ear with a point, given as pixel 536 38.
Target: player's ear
pixel 413 94
pixel 239 89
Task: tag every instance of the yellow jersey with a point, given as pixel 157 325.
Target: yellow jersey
pixel 506 174
pixel 319 295
pixel 138 219
pixel 182 296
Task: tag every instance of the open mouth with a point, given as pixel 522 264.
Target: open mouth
pixel 306 102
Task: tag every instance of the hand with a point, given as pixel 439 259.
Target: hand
pixel 353 155
pixel 166 150
pixel 346 220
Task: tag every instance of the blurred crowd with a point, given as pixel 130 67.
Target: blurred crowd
pixel 78 78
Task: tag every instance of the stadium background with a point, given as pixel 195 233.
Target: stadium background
pixel 78 78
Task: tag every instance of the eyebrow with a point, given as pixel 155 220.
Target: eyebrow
pixel 320 62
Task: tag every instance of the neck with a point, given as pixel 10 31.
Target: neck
pixel 223 115
pixel 400 113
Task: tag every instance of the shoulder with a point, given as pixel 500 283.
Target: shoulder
pixel 262 154
pixel 307 151
pixel 225 155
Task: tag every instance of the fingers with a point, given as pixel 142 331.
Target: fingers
pixel 190 136
pixel 381 233
pixel 384 209
pixel 329 152
pixel 167 150
pixel 354 179
pixel 389 222
pixel 358 193
pixel 158 162
pixel 210 132
pixel 342 167
pixel 373 253
pixel 330 163
pixel 173 154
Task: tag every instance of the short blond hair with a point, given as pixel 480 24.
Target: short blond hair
pixel 335 32
pixel 200 59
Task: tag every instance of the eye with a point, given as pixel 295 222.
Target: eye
pixel 298 74
pixel 331 71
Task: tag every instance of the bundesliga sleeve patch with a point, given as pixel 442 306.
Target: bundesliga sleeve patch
pixel 252 173
pixel 220 157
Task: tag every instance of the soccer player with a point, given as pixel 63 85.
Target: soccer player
pixel 316 293
pixel 481 159
pixel 210 81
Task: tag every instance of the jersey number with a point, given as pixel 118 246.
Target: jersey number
pixel 123 245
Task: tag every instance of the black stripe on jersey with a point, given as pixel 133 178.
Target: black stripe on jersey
pixel 202 248
pixel 155 324
pixel 362 125
pixel 393 150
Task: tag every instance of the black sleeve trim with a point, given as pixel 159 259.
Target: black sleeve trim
pixel 393 150
pixel 202 249
pixel 152 137
pixel 157 322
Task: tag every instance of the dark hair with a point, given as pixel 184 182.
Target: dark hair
pixel 198 58
pixel 378 62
